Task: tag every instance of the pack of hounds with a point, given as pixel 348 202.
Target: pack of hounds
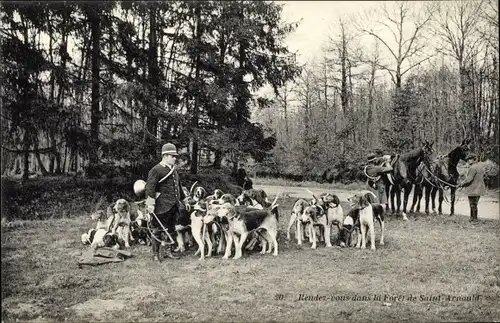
pixel 221 220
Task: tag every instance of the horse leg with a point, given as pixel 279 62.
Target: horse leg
pixel 416 198
pixel 398 200
pixel 420 194
pixel 388 195
pixel 452 201
pixel 406 196
pixel 428 190
pixel 433 197
pixel 393 194
pixel 440 199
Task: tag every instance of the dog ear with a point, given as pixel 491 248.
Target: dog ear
pixel 110 211
pixel 361 200
pixel 107 240
pixel 126 205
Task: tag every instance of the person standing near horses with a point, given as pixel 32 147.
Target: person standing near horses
pixel 374 171
pixel 164 195
pixel 473 185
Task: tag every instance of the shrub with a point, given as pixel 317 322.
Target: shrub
pixel 68 196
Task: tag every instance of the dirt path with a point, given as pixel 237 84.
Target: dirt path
pixel 488 206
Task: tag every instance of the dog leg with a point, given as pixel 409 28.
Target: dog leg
pixel 237 247
pixel 229 245
pixel 309 227
pixel 270 242
pixel 221 243
pixel 273 233
pixel 267 242
pixel 251 244
pixel 327 236
pixel 372 235
pixel 238 243
pixel 363 236
pixel 264 243
pixel 358 241
pixel 180 242
pixel 189 240
pixel 128 236
pixel 299 232
pixel 131 237
pixel 382 229
pixel 293 218
pixel 210 245
pixel 196 229
pixel 313 236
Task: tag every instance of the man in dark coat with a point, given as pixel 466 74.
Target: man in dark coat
pixel 473 185
pixel 164 195
pixel 374 172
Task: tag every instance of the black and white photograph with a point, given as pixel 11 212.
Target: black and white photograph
pixel 250 161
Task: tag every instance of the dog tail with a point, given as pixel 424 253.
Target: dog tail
pixel 192 188
pixel 273 205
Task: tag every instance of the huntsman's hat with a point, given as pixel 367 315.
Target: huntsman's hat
pixel 169 149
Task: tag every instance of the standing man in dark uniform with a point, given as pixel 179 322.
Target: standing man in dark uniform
pixel 164 195
pixel 374 172
pixel 474 185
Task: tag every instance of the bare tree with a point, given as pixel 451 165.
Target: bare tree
pixel 489 15
pixel 457 25
pixel 285 97
pixel 409 43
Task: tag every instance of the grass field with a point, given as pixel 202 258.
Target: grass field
pixel 429 258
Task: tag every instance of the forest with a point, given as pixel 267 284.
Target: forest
pixel 93 87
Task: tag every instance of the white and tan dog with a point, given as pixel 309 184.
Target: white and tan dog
pixel 364 214
pixel 104 221
pixel 203 229
pixel 297 210
pixel 253 197
pixel 100 238
pixel 239 221
pixel 121 223
pixel 216 195
pixel 324 211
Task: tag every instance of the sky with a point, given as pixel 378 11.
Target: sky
pixel 318 22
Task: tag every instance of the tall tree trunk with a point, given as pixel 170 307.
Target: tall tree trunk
pixel 221 82
pixel 152 118
pixel 95 117
pixel 195 112
pixel 39 159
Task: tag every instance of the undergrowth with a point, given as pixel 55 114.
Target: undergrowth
pixel 58 197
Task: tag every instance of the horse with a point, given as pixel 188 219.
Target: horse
pixel 441 174
pixel 404 174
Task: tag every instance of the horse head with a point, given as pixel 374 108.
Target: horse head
pixel 461 151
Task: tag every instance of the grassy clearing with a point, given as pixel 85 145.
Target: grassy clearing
pixel 333 186
pixel 427 256
pixel 354 186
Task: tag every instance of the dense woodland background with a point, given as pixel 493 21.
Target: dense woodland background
pixel 99 87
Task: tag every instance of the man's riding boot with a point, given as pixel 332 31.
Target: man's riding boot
pixel 170 254
pixel 473 215
pixel 476 220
